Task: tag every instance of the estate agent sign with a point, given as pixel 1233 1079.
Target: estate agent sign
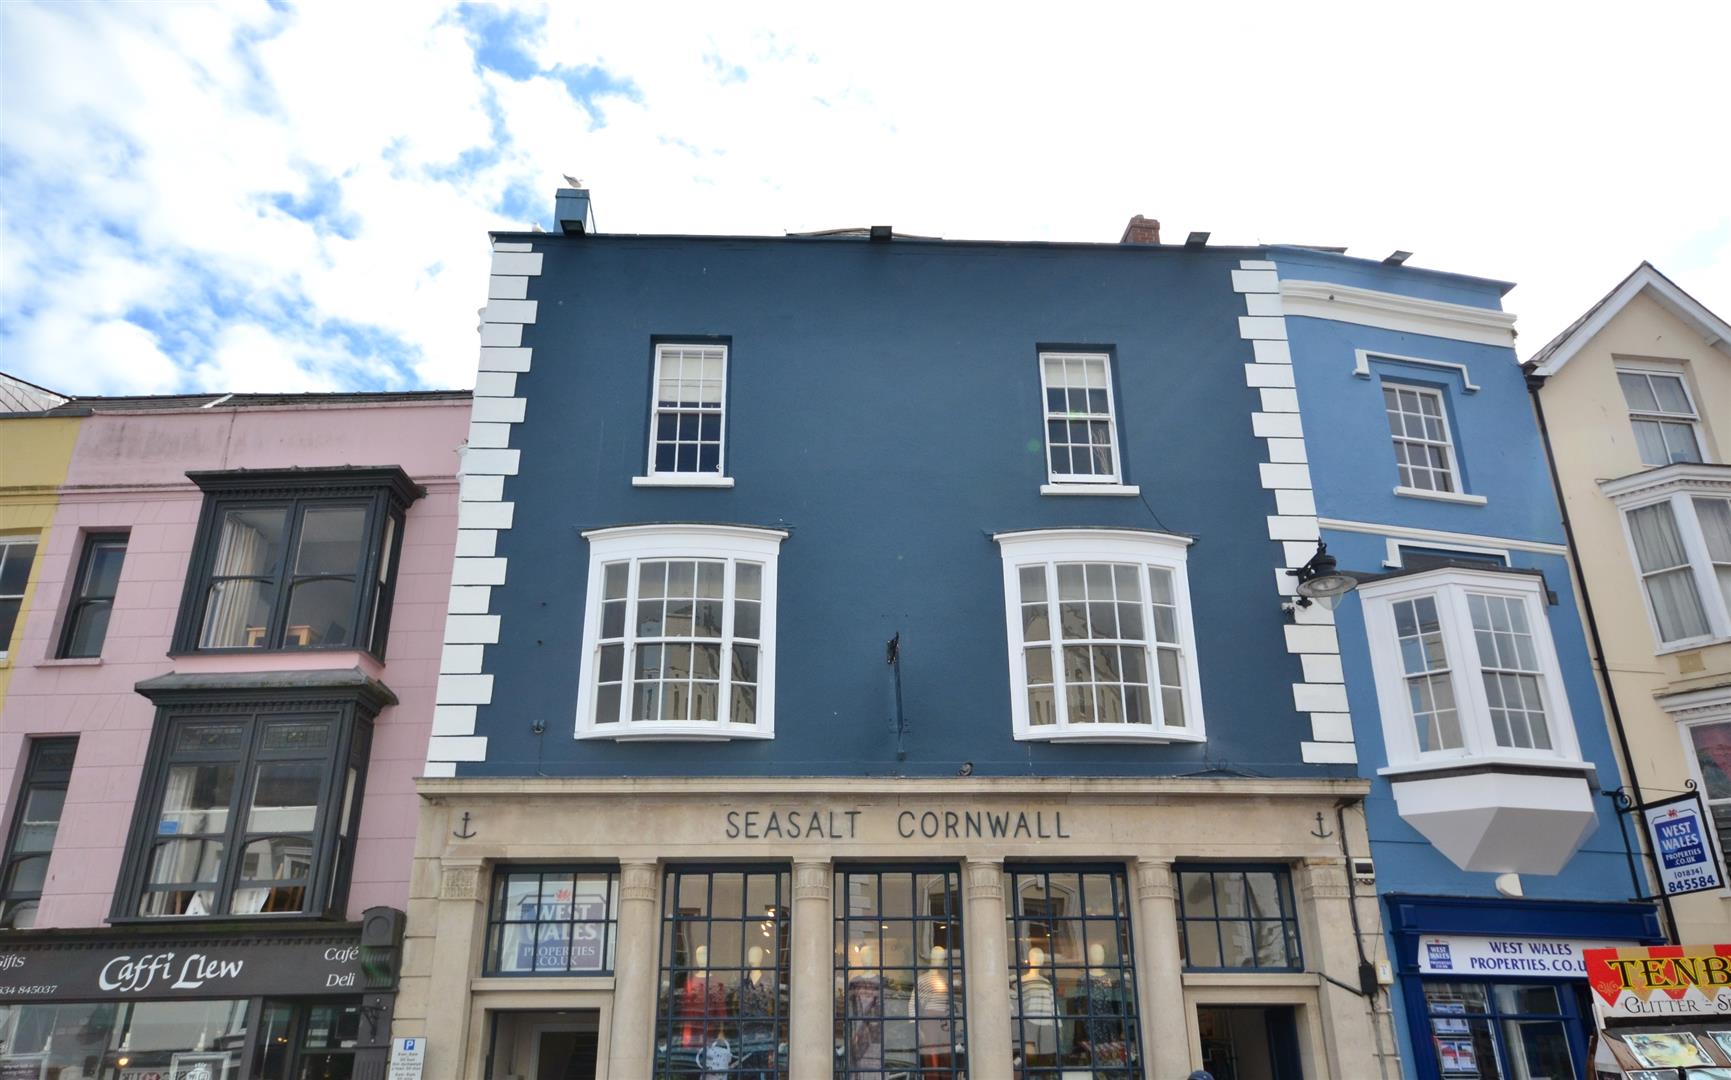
pixel 1462 954
pixel 1662 981
pixel 1683 845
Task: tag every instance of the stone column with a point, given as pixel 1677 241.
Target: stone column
pixel 811 1006
pixel 1348 1031
pixel 988 970
pixel 1160 971
pixel 461 906
pixel 631 1044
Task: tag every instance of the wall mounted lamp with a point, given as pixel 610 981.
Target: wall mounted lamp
pixel 1321 581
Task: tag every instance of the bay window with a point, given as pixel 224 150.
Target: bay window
pixel 679 633
pixel 1465 666
pixel 1678 523
pixel 1101 644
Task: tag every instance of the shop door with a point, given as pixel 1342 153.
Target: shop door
pixel 1250 1042
pixel 564 1054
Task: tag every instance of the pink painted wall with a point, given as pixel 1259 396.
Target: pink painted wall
pixel 129 472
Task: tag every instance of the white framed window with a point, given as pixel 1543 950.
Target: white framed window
pixel 1101 642
pixel 1709 745
pixel 17 553
pixel 679 633
pixel 688 417
pixel 1424 451
pixel 1667 428
pixel 1081 429
pixel 1678 522
pixel 1466 668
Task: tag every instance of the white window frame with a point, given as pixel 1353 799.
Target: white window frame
pixel 1692 418
pixel 1093 483
pixel 1457 483
pixel 1678 485
pixel 1043 547
pixel 634 543
pixel 653 477
pixel 1450 587
pixel 15 540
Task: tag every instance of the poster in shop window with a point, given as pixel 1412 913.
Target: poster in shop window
pixel 23 1066
pixel 1683 845
pixel 570 935
pixel 197 1066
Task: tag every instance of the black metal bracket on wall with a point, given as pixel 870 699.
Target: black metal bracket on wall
pixel 1624 804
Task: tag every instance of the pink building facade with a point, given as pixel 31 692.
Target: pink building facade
pixel 249 723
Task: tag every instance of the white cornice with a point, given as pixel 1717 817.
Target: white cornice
pixel 1669 479
pixel 1390 311
pixel 1696 704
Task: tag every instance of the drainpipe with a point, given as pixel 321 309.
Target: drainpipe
pixel 1534 382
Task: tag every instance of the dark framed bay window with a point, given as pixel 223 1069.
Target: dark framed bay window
pixel 294 559
pixel 1233 917
pixel 722 1012
pixel 1073 974
pixel 552 920
pixel 250 795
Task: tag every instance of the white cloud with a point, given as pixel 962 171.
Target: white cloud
pixel 146 148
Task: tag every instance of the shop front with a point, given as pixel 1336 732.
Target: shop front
pixel 181 1003
pixel 1664 1013
pixel 1496 988
pixel 767 929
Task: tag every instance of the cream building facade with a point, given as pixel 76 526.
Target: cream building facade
pixel 1636 395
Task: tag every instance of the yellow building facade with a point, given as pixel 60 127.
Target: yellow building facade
pixel 35 453
pixel 1636 397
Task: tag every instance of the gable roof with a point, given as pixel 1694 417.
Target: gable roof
pixel 1645 278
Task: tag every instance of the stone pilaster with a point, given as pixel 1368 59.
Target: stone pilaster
pixel 635 969
pixel 462 907
pixel 811 1034
pixel 1160 970
pixel 988 969
pixel 1348 1024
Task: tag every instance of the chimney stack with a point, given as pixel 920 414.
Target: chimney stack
pixel 1141 230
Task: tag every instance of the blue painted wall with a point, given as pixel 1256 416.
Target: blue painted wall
pixel 1502 458
pixel 884 407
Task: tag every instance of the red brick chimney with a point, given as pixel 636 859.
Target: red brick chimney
pixel 1141 230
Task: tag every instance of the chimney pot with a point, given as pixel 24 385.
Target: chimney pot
pixel 1141 230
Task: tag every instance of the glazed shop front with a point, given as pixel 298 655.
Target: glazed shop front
pixel 181 1004
pixel 887 930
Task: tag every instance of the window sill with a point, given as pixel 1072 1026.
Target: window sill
pixel 1110 733
pixel 682 480
pixel 1422 770
pixel 1090 489
pixel 1441 496
pixel 673 732
pixel 573 983
pixel 71 661
pixel 1691 644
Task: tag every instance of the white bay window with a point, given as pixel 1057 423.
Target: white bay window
pixel 1678 522
pixel 1101 644
pixel 1465 667
pixel 679 633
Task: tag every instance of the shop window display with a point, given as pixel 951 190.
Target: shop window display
pixel 1073 977
pixel 1493 1030
pixel 555 920
pixel 182 1040
pixel 898 975
pixel 722 1012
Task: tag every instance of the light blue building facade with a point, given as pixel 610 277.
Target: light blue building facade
pixel 1497 855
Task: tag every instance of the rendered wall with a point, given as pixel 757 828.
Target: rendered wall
pixel 128 473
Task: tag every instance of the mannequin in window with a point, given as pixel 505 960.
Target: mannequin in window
pixel 756 1007
pixel 865 1029
pixel 700 1003
pixel 1105 1008
pixel 1039 1012
pixel 930 1005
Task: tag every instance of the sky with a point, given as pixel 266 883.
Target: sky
pixel 286 197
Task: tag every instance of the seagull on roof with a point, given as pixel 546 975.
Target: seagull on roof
pixel 572 180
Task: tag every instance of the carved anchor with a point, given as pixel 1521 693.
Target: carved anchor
pixel 465 833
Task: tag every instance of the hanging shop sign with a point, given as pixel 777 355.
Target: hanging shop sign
pixel 1661 981
pixel 1550 958
pixel 161 969
pixel 1683 845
